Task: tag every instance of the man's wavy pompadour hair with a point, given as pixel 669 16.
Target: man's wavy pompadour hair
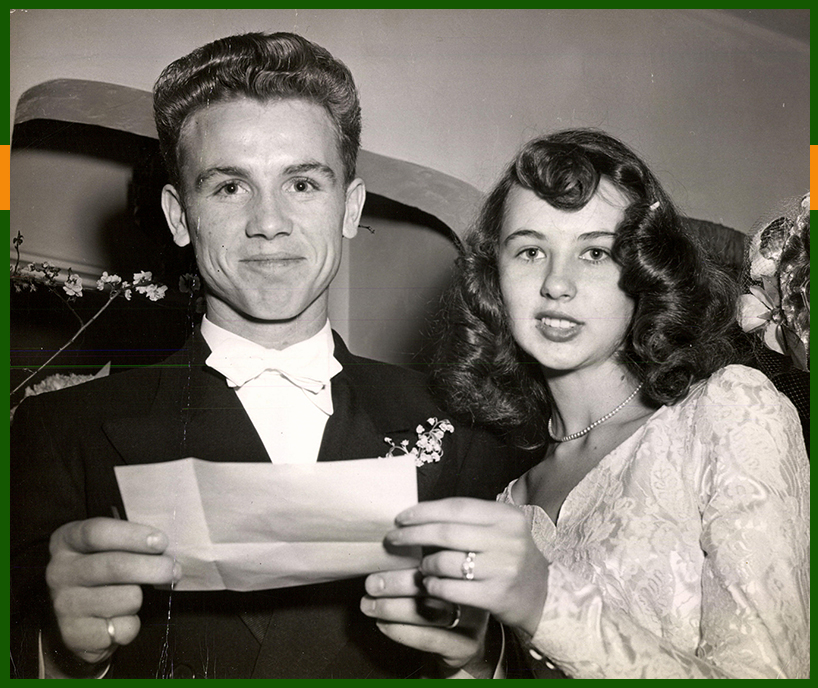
pixel 262 67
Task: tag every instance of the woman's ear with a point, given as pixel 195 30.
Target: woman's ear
pixel 174 211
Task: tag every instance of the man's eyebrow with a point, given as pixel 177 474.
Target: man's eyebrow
pixel 219 171
pixel 311 166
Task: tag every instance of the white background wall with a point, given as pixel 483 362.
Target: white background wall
pixel 717 105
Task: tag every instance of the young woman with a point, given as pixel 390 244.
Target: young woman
pixel 665 533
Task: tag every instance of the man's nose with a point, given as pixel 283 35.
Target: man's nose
pixel 559 282
pixel 269 218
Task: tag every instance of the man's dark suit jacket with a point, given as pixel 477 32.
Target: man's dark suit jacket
pixel 66 443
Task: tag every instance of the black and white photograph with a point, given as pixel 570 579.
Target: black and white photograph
pixel 410 343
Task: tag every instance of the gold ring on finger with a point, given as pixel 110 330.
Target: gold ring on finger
pixel 109 626
pixel 456 620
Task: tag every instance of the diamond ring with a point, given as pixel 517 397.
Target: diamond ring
pixel 467 567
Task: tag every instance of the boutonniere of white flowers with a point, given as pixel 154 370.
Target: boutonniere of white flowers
pixel 429 447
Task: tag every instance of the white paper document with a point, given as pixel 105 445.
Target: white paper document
pixel 254 526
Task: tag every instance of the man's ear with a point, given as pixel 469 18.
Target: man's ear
pixel 175 215
pixel 356 195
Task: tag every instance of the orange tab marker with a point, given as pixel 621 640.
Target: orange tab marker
pixel 5 170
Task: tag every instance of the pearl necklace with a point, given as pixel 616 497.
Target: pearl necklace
pixel 607 416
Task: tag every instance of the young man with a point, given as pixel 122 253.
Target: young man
pixel 260 134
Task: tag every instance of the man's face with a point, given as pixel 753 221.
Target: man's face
pixel 264 203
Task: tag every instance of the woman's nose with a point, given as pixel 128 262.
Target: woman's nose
pixel 558 282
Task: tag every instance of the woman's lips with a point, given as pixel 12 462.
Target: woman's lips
pixel 558 328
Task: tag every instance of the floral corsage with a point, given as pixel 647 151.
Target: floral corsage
pixel 777 305
pixel 429 447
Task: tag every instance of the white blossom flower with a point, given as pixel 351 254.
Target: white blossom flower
pixel 155 292
pixel 106 279
pixel 73 285
pixel 143 276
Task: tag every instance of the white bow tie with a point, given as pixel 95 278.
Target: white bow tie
pixel 240 364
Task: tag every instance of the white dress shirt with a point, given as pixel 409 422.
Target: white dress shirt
pixel 289 420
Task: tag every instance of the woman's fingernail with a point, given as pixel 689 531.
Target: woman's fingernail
pixel 377 583
pixel 155 541
pixel 177 572
pixel 404 516
pixel 367 605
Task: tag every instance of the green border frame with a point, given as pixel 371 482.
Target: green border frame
pixel 4 331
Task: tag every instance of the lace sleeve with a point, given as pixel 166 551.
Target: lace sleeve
pixel 754 504
pixel 755 529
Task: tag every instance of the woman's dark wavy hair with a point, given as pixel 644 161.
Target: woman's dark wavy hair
pixel 684 306
pixel 263 67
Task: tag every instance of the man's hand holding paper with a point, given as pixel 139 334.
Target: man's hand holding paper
pixel 96 568
pixel 253 526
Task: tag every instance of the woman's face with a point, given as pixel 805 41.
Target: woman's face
pixel 559 282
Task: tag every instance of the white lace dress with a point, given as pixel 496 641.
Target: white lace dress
pixel 685 552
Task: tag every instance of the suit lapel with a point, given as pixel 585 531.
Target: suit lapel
pixel 368 409
pixel 351 432
pixel 193 414
pixel 357 430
